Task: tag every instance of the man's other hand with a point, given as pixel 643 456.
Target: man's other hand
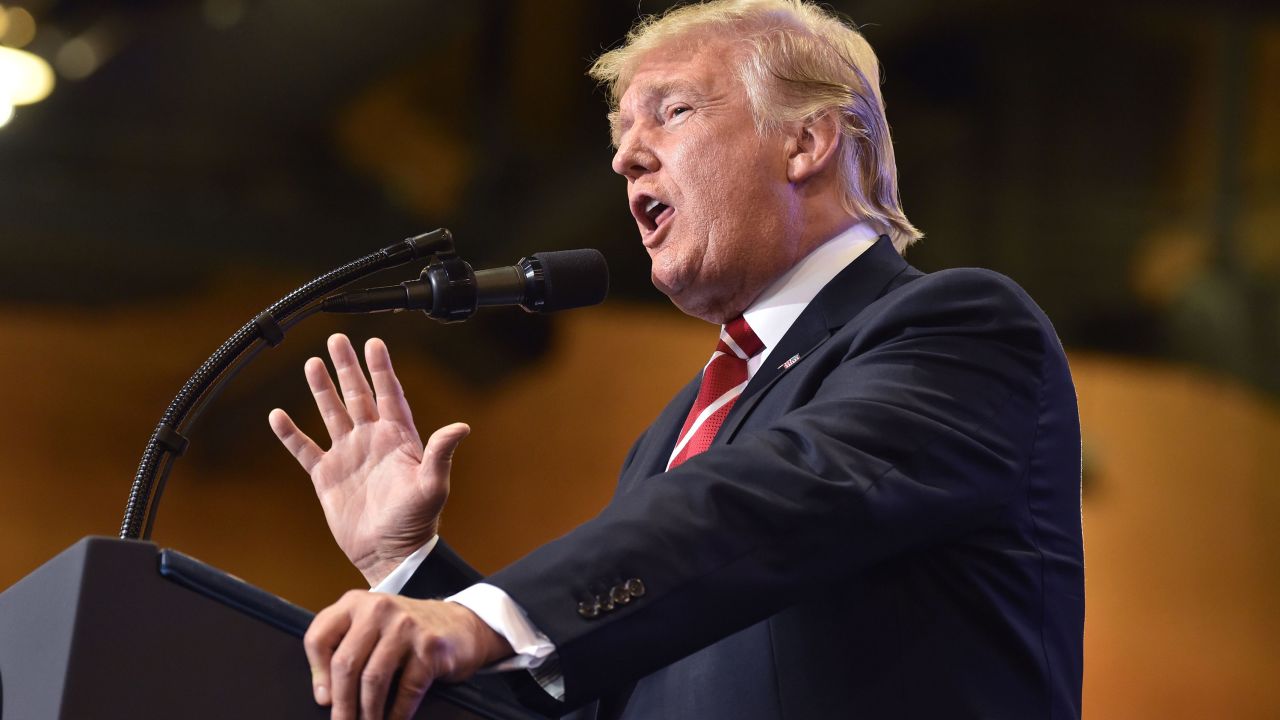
pixel 358 644
pixel 381 491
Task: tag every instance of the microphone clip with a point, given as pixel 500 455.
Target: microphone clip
pixel 445 290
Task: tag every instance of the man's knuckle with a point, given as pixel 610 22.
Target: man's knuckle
pixel 447 665
pixel 373 677
pixel 403 625
pixel 314 640
pixel 414 688
pixel 432 646
pixel 380 606
pixel 342 663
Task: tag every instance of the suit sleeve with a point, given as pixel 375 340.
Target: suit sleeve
pixel 909 429
pixel 440 575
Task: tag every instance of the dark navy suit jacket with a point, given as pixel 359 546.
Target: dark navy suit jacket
pixel 888 527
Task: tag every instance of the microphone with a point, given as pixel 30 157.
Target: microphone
pixel 450 291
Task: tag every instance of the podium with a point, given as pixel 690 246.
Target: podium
pixel 121 629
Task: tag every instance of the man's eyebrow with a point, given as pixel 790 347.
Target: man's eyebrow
pixel 664 88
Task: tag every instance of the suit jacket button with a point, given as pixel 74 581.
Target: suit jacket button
pixel 605 602
pixel 589 609
pixel 634 587
pixel 619 595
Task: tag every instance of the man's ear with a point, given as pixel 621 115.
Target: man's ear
pixel 813 146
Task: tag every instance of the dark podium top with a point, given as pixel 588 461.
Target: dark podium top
pixel 120 629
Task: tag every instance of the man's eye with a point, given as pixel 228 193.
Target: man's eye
pixel 676 111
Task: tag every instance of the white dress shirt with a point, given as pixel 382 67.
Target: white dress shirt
pixel 770 316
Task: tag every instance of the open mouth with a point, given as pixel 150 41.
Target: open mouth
pixel 650 212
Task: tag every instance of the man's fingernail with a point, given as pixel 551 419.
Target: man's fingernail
pixel 322 695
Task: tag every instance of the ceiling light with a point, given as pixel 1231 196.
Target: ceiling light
pixel 24 78
pixel 19 27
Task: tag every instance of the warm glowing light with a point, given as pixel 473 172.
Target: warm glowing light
pixel 24 78
pixel 19 27
pixel 77 59
pixel 223 14
pixel 6 113
pixel 4 21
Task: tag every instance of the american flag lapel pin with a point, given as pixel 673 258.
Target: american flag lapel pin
pixel 790 361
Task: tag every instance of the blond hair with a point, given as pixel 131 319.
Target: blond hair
pixel 801 62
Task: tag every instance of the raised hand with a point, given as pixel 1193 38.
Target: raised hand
pixel 381 491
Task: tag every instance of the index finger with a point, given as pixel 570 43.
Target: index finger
pixel 321 639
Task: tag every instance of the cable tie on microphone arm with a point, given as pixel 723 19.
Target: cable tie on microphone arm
pixel 171 440
pixel 269 328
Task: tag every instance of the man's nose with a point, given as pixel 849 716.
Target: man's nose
pixel 633 158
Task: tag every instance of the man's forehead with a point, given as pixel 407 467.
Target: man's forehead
pixel 692 63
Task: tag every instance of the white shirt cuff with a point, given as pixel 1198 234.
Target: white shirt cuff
pixel 534 651
pixel 394 582
pixel 496 608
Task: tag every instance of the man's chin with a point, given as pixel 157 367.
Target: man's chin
pixel 692 304
pixel 664 288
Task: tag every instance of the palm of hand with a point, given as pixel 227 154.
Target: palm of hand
pixel 380 502
pixel 382 493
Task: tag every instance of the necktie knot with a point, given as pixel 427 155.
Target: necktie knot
pixel 740 339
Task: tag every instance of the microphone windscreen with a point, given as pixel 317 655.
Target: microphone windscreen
pixel 574 278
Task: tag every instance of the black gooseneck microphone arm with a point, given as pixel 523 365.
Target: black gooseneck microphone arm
pixel 168 440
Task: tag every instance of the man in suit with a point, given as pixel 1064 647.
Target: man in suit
pixel 866 505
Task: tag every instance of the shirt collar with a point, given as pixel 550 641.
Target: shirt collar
pixel 773 313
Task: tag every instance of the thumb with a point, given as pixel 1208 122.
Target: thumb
pixel 437 457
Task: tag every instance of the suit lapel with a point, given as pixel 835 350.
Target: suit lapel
pixel 849 292
pixel 655 449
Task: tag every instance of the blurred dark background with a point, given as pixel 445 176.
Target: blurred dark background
pixel 197 159
pixel 1121 161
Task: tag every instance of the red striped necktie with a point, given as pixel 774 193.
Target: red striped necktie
pixel 723 380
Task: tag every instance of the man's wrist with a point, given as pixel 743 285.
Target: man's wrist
pixel 383 560
pixel 393 580
pixel 491 647
pixel 376 573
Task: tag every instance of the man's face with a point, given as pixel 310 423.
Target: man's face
pixel 709 194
